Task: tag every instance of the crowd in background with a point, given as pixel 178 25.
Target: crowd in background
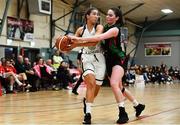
pixel 22 75
pixel 153 74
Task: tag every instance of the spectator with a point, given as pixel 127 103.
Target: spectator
pixel 63 75
pixel 12 76
pixel 43 72
pixel 19 65
pixel 57 59
pixel 2 80
pixel 30 75
pixel 20 68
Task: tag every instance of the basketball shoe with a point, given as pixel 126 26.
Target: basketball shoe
pixel 139 108
pixel 123 117
pixel 87 118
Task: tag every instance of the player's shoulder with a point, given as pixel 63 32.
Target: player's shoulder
pixel 79 30
pixel 99 26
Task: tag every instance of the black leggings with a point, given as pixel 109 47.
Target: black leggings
pixel 78 83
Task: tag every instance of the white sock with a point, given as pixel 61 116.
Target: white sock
pixel 18 82
pixel 88 107
pixel 121 104
pixel 135 102
pixel 11 88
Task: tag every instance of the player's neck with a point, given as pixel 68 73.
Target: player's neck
pixel 90 26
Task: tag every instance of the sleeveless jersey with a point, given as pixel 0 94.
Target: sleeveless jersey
pixel 113 45
pixel 114 53
pixel 91 49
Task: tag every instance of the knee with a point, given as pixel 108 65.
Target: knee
pixel 113 83
pixel 91 84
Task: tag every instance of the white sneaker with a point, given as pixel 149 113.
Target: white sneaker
pixel 28 86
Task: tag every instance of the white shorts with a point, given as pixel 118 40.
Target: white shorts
pixel 94 64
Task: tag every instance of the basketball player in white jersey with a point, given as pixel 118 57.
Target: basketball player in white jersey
pixel 93 61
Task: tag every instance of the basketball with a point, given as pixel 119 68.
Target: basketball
pixel 62 43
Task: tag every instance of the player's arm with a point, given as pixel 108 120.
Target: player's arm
pixel 79 31
pixel 113 32
pixel 99 30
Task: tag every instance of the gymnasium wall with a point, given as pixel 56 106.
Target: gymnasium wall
pixel 165 31
pixel 41 24
pixel 132 39
pixel 173 60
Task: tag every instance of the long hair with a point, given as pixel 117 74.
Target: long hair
pixel 118 13
pixel 88 12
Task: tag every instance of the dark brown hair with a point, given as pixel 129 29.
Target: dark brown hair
pixel 118 13
pixel 88 12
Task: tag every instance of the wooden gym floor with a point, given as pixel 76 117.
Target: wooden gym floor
pixel 63 107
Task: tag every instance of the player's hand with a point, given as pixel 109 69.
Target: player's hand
pixel 71 46
pixel 74 39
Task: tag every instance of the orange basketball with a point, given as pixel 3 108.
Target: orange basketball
pixel 62 43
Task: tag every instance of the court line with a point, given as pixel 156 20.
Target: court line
pixel 55 110
pixel 59 110
pixel 35 98
pixel 79 102
pixel 147 116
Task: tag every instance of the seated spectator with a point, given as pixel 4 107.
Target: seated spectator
pixel 53 72
pixel 171 71
pixel 153 74
pixel 1 70
pixel 146 74
pixel 168 78
pixel 19 65
pixel 3 61
pixel 43 72
pixel 49 63
pixel 20 69
pixel 177 73
pixel 2 80
pixel 12 76
pixel 31 77
pixel 63 75
pixel 130 75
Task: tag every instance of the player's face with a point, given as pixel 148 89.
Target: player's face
pixel 111 17
pixel 93 17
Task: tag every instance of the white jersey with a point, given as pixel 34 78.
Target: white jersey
pixel 91 49
pixel 93 61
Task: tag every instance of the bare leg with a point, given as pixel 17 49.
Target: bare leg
pixel 15 77
pixel 138 107
pixel 127 93
pixel 96 90
pixel 91 85
pixel 23 76
pixel 116 81
pixel 11 83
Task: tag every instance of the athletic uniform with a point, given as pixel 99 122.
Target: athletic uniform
pixel 114 52
pixel 93 60
pixel 115 55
